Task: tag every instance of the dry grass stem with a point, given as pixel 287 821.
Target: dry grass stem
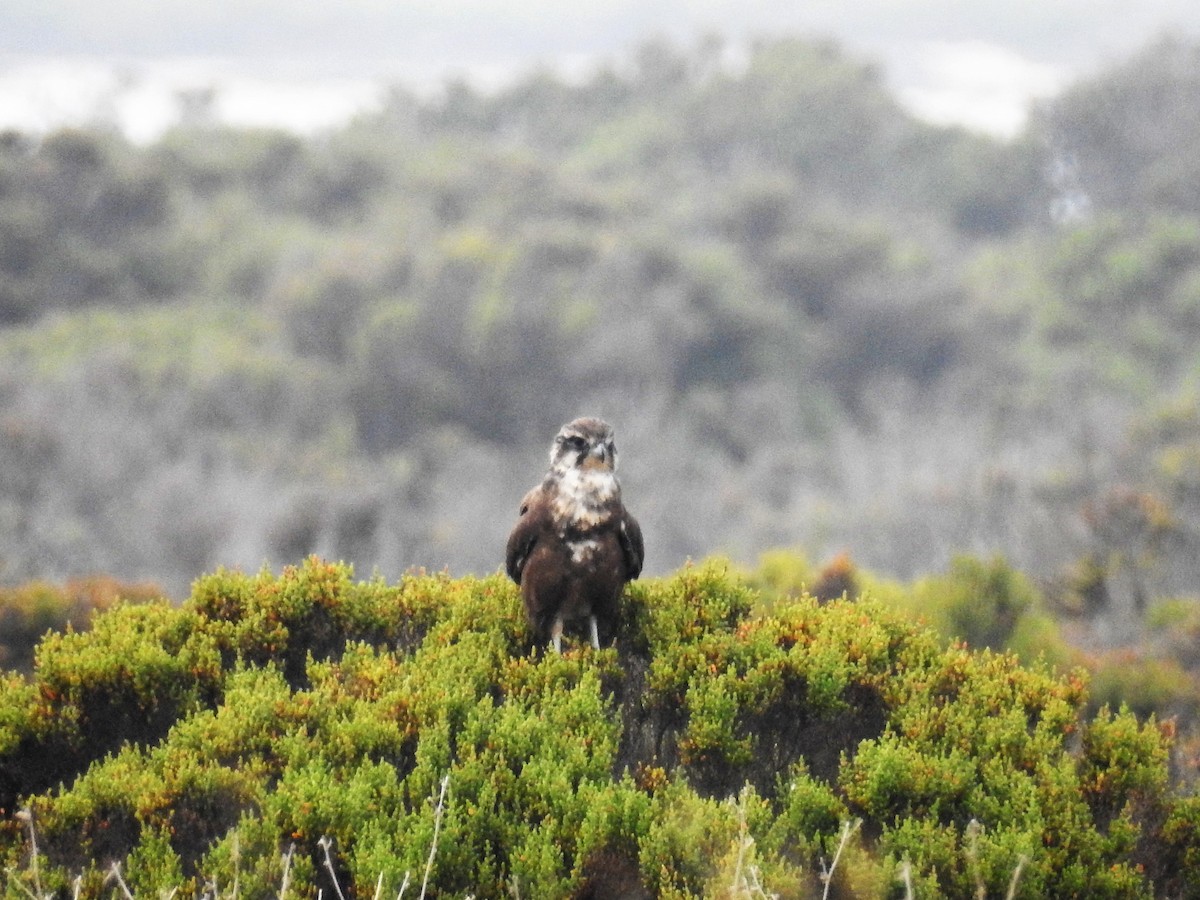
pixel 848 829
pixel 745 842
pixel 13 879
pixel 437 825
pixel 974 829
pixel 114 874
pixel 285 883
pixel 325 843
pixel 1016 877
pixel 25 814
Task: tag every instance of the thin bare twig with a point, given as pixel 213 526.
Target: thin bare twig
pixel 287 872
pixel 325 843
pixel 754 885
pixel 745 842
pixel 1016 876
pixel 848 829
pixel 403 886
pixel 13 879
pixel 25 814
pixel 114 874
pixel 974 830
pixel 437 825
pixel 906 877
pixel 237 864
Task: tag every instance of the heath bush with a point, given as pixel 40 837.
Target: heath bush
pixel 308 732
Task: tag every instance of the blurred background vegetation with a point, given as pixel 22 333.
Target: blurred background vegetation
pixel 815 320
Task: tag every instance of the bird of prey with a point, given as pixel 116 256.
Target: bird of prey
pixel 575 546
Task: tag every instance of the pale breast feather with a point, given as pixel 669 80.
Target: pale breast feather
pixel 584 499
pixel 583 551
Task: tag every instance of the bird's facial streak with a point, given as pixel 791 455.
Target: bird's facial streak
pixel 584 443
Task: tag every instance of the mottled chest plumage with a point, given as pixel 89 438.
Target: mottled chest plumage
pixel 582 501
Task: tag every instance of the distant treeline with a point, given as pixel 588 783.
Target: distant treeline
pixel 813 319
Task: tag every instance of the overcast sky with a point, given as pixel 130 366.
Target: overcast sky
pixel 973 61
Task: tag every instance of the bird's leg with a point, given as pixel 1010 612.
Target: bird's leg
pixel 556 631
pixel 595 632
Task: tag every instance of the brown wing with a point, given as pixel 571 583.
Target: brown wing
pixel 630 535
pixel 523 537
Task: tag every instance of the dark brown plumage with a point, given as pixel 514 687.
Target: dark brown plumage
pixel 575 545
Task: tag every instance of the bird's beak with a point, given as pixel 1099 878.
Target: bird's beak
pixel 597 458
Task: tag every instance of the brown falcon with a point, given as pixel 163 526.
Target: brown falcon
pixel 575 545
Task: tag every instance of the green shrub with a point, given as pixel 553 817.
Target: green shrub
pixel 978 602
pixel 782 574
pixel 331 734
pixel 985 603
pixel 30 610
pixel 1146 683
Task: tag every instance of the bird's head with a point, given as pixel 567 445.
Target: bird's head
pixel 585 443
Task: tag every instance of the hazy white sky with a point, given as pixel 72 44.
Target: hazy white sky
pixel 306 64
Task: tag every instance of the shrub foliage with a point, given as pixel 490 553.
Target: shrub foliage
pixel 306 732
